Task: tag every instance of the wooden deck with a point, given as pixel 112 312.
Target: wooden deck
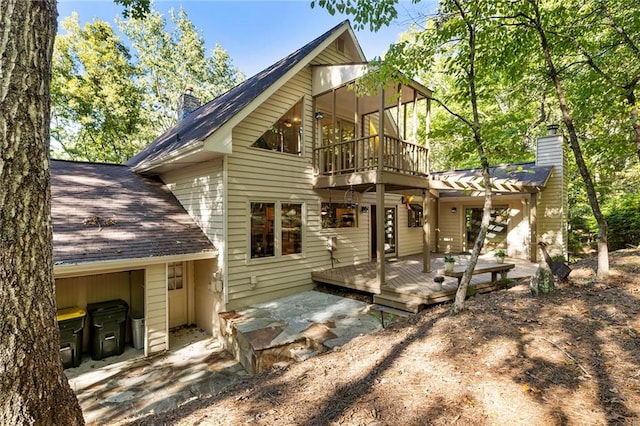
pixel 410 289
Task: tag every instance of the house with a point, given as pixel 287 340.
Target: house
pixel 292 172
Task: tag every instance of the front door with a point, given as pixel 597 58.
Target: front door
pixel 177 290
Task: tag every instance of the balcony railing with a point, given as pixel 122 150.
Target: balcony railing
pixel 359 155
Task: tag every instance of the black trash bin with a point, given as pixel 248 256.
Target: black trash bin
pixel 71 325
pixel 108 327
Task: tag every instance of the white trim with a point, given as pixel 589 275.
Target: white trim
pixel 225 231
pixel 179 154
pixel 90 268
pixel 222 144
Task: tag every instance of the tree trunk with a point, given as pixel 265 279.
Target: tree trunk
pixel 461 293
pixel 635 120
pixel 567 118
pixel 33 387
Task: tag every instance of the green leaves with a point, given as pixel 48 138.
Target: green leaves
pixel 135 8
pixel 374 13
pixel 171 56
pixel 95 103
pixel 108 102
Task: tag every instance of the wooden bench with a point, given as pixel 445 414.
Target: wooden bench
pixel 494 268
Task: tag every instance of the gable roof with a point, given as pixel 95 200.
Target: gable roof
pixel 105 212
pixel 204 121
pixel 525 177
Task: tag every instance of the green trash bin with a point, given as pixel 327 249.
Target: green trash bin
pixel 108 328
pixel 71 326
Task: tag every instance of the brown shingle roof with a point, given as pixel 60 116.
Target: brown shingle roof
pixel 105 212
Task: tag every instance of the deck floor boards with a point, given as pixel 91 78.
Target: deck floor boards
pixel 404 276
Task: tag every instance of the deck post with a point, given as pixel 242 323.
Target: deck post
pixel 426 232
pixel 533 224
pixel 380 259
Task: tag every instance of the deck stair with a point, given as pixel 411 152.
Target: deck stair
pixel 414 302
pixel 393 299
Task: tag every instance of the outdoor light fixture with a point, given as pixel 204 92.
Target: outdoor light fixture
pixel 319 115
pixel 454 210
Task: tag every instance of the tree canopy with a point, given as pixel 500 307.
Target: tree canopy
pixel 95 101
pixel 170 61
pixel 111 97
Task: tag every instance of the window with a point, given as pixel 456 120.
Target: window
pixel 262 235
pixel 264 229
pixel 286 134
pixel 414 213
pixel 174 276
pixel 291 219
pixel 338 215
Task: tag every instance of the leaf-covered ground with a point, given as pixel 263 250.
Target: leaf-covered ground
pixel 569 358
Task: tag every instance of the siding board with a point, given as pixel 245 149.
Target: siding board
pixel 156 324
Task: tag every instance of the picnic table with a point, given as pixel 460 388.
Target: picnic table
pixel 493 268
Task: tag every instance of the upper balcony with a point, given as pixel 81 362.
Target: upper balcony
pixel 348 150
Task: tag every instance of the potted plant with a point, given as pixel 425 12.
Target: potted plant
pixel 500 255
pixel 449 261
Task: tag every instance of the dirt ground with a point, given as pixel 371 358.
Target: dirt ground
pixel 569 358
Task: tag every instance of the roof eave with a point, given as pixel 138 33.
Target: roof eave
pixel 66 270
pixel 147 167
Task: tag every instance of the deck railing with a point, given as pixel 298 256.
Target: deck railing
pixel 361 154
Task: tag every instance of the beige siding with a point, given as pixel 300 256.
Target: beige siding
pixel 433 221
pixel 409 239
pixel 156 325
pixel 352 244
pixel 208 295
pixel 200 190
pixel 450 236
pixel 519 238
pixel 259 175
pixel 552 210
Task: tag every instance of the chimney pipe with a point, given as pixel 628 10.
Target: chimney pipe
pixel 552 129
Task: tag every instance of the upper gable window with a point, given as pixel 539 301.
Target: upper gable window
pixel 286 134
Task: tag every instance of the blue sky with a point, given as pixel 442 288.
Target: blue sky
pixel 257 33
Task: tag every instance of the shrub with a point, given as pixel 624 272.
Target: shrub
pixel 623 218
